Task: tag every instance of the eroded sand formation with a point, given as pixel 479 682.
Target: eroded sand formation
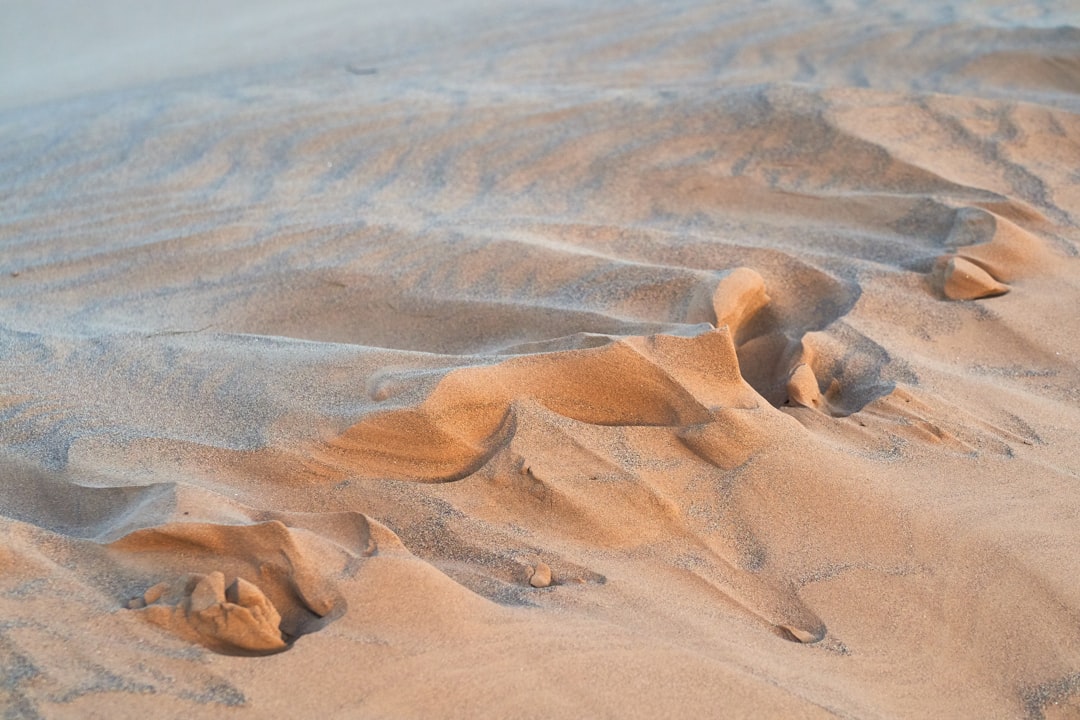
pixel 622 361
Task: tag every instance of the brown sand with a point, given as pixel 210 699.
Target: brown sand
pixel 540 360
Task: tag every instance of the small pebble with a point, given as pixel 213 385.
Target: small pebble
pixel 154 594
pixel 541 576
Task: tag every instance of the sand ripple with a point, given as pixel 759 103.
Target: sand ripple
pixel 550 361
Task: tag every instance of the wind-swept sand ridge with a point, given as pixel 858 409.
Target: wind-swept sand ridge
pixel 528 361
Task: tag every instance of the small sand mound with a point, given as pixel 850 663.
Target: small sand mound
pixel 998 245
pixel 278 582
pixel 803 387
pixel 964 280
pixel 738 297
pixel 237 618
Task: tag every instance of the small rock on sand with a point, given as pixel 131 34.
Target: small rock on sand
pixel 541 576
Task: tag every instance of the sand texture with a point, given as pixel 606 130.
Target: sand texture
pixel 532 360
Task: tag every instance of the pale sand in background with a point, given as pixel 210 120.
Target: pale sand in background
pixel 517 360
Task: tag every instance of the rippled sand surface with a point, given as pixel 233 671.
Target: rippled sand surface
pixel 505 359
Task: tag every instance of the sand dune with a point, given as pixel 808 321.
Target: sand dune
pixel 563 360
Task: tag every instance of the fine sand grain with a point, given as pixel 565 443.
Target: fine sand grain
pixel 507 359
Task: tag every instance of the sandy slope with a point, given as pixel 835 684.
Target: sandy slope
pixel 494 360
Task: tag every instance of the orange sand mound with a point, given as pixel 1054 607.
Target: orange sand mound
pixel 540 360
